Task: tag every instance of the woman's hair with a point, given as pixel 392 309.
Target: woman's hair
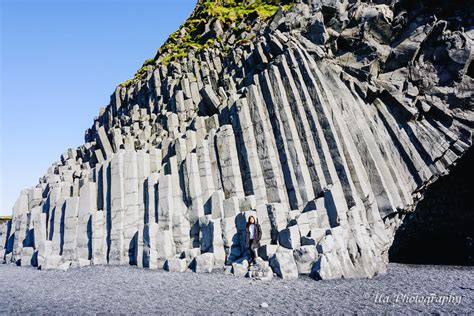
pixel 248 221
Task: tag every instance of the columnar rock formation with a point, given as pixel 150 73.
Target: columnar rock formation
pixel 326 120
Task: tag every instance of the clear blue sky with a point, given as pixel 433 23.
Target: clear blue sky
pixel 60 61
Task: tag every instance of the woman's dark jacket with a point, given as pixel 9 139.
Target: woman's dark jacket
pixel 257 236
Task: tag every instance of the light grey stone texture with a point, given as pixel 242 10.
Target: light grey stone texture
pixel 305 256
pixel 104 143
pixel 289 237
pixel 327 147
pixel 240 268
pixel 176 265
pixel 204 263
pixel 69 250
pixel 284 266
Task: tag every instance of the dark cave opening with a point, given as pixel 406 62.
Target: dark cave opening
pixel 441 230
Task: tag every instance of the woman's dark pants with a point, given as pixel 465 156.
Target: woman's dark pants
pixel 252 251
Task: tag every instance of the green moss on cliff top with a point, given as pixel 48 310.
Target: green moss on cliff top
pixel 232 11
pixel 195 34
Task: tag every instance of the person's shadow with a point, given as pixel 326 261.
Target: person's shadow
pixel 238 250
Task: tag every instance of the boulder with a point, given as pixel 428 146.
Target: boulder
pixel 305 256
pixel 51 262
pixel 190 254
pixel 261 270
pixel 204 263
pixel 176 265
pixel 327 267
pixel 83 262
pixel 240 269
pixel 26 256
pixel 284 266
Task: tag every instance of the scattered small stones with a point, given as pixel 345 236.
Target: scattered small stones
pixel 128 290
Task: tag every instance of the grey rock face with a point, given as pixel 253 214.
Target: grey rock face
pixel 240 269
pixel 305 257
pixel 261 270
pixel 283 264
pixel 326 122
pixel 204 263
pixel 176 265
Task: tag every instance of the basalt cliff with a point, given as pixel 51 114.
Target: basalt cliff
pixel 327 120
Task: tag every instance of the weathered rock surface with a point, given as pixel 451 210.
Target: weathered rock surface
pixel 327 121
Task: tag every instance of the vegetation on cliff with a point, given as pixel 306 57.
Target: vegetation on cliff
pixel 203 28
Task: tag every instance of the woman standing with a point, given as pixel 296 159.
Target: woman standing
pixel 253 235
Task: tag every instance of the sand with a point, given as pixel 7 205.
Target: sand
pixel 103 289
